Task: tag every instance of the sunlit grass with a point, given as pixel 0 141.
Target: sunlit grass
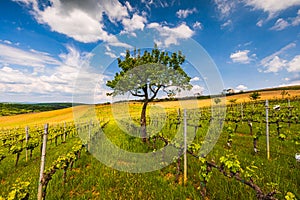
pixel 90 179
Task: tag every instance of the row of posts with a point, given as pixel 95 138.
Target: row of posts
pixel 43 157
pixel 27 138
pixel 185 134
pixel 267 127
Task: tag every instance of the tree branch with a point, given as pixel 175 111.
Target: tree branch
pixel 155 92
pixel 136 94
pixel 152 90
pixel 164 89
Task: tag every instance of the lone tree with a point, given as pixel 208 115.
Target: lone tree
pixel 284 93
pixel 145 75
pixel 254 96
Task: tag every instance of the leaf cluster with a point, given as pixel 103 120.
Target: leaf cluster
pixel 19 191
pixel 145 75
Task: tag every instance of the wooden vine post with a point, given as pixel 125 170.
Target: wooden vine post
pixel 43 159
pixel 185 149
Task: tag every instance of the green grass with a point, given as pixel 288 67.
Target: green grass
pixel 90 179
pixel 29 171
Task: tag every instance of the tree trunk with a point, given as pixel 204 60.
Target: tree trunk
pixel 143 122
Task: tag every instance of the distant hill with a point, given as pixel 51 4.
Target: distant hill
pixel 7 109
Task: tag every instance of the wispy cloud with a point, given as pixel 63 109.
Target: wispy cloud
pixel 274 63
pixel 185 13
pixel 157 3
pixel 56 82
pixel 296 20
pixel 294 80
pixel 198 25
pixel 277 53
pixel 282 24
pixel 6 41
pixel 30 58
pixel 110 52
pixel 225 7
pixel 129 7
pixel 228 23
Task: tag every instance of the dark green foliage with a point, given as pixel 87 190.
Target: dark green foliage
pixel 149 73
pixel 254 96
pixel 18 108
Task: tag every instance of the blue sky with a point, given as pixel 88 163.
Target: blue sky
pixel 44 44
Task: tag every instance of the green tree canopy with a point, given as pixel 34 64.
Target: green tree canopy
pixel 254 96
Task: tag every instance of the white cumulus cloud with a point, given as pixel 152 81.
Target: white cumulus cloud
pixel 241 87
pixel 275 63
pixel 80 20
pixel 196 78
pixel 294 64
pixel 272 6
pixel 137 22
pixel 171 35
pixel 241 57
pixel 197 89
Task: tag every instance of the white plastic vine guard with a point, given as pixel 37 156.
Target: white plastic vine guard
pixel 276 107
pixel 297 156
